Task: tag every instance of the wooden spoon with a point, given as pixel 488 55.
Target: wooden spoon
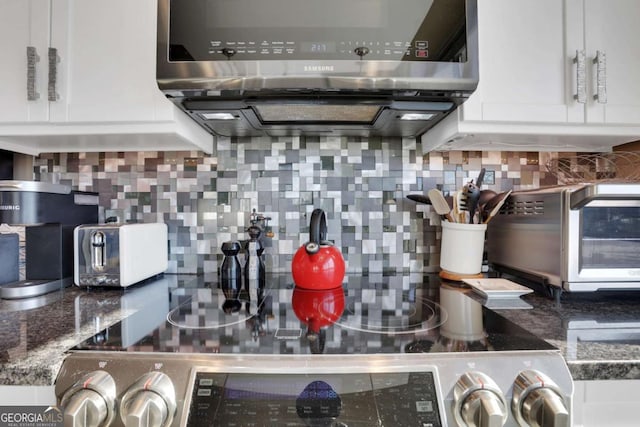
pixel 500 199
pixel 440 204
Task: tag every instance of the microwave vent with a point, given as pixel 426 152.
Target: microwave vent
pixel 523 207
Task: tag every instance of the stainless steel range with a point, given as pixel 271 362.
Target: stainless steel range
pixel 381 351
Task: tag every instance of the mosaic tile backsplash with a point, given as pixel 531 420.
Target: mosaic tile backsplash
pixel 361 183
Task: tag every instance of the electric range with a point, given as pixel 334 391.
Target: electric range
pixel 398 350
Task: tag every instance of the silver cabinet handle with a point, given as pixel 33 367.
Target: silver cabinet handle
pixel 600 62
pixel 32 58
pixel 581 83
pixel 53 74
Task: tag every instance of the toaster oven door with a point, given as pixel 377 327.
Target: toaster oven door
pixel 604 245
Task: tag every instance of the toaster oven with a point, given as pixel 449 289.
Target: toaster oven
pixel 583 237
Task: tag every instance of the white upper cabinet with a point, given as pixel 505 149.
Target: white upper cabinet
pixel 95 80
pixel 24 30
pixel 554 76
pixel 612 36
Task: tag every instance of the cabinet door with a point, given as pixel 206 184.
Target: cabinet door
pixel 107 61
pixel 523 63
pixel 23 23
pixel 612 27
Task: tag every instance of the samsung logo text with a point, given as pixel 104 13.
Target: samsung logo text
pixel 315 68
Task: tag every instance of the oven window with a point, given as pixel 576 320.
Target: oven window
pixel 407 30
pixel 610 237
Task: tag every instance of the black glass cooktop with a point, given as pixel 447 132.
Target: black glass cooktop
pixel 368 315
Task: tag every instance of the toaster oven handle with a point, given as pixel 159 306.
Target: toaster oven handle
pixel 587 194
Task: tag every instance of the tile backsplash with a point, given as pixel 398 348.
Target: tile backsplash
pixel 361 183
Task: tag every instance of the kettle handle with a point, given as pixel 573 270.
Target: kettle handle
pixel 317 231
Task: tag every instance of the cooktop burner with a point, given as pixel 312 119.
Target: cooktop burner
pixel 379 351
pixel 388 314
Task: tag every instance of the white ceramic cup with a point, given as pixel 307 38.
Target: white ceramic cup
pixel 462 247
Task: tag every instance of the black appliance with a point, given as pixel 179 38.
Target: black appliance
pixel 48 214
pixel 401 351
pixel 363 68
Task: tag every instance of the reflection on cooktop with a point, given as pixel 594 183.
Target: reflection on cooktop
pixel 370 314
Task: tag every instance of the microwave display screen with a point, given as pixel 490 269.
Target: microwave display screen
pixel 363 30
pixel 610 237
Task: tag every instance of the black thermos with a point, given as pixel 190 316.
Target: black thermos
pixel 231 270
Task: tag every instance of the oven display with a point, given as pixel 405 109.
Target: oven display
pixel 412 30
pixel 382 399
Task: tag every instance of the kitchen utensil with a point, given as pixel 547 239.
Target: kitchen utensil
pixel 440 204
pixel 472 195
pixel 460 206
pixel 318 264
pixel 419 198
pixel 485 196
pixel 480 178
pixel 499 201
pixel 489 205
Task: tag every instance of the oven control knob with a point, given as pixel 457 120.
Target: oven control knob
pixel 150 401
pixel 90 402
pixel 478 401
pixel 537 401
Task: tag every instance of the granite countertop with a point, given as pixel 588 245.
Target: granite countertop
pixel 35 333
pixel 598 334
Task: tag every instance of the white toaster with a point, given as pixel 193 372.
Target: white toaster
pixel 119 255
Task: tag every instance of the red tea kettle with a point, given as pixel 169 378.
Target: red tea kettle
pixel 318 264
pixel 317 308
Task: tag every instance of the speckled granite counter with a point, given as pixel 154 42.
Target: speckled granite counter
pixel 598 334
pixel 35 333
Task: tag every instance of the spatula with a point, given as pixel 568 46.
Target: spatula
pixel 499 201
pixel 439 204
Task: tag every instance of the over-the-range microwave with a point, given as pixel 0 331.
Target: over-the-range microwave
pixel 291 67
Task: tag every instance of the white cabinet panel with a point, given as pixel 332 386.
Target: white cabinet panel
pixel 611 27
pixel 108 57
pixel 23 23
pixel 522 71
pixel 105 81
pixel 611 403
pixel 526 97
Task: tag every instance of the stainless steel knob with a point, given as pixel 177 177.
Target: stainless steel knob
pixel 150 401
pixel 478 401
pixel 537 401
pixel 90 402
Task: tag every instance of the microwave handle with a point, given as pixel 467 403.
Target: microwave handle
pixel 606 191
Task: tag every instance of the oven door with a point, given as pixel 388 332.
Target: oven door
pixel 603 245
pixel 332 44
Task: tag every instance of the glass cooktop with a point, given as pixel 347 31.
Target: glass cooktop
pixel 368 315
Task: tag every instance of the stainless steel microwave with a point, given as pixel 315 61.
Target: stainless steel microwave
pixel 583 237
pixel 287 67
